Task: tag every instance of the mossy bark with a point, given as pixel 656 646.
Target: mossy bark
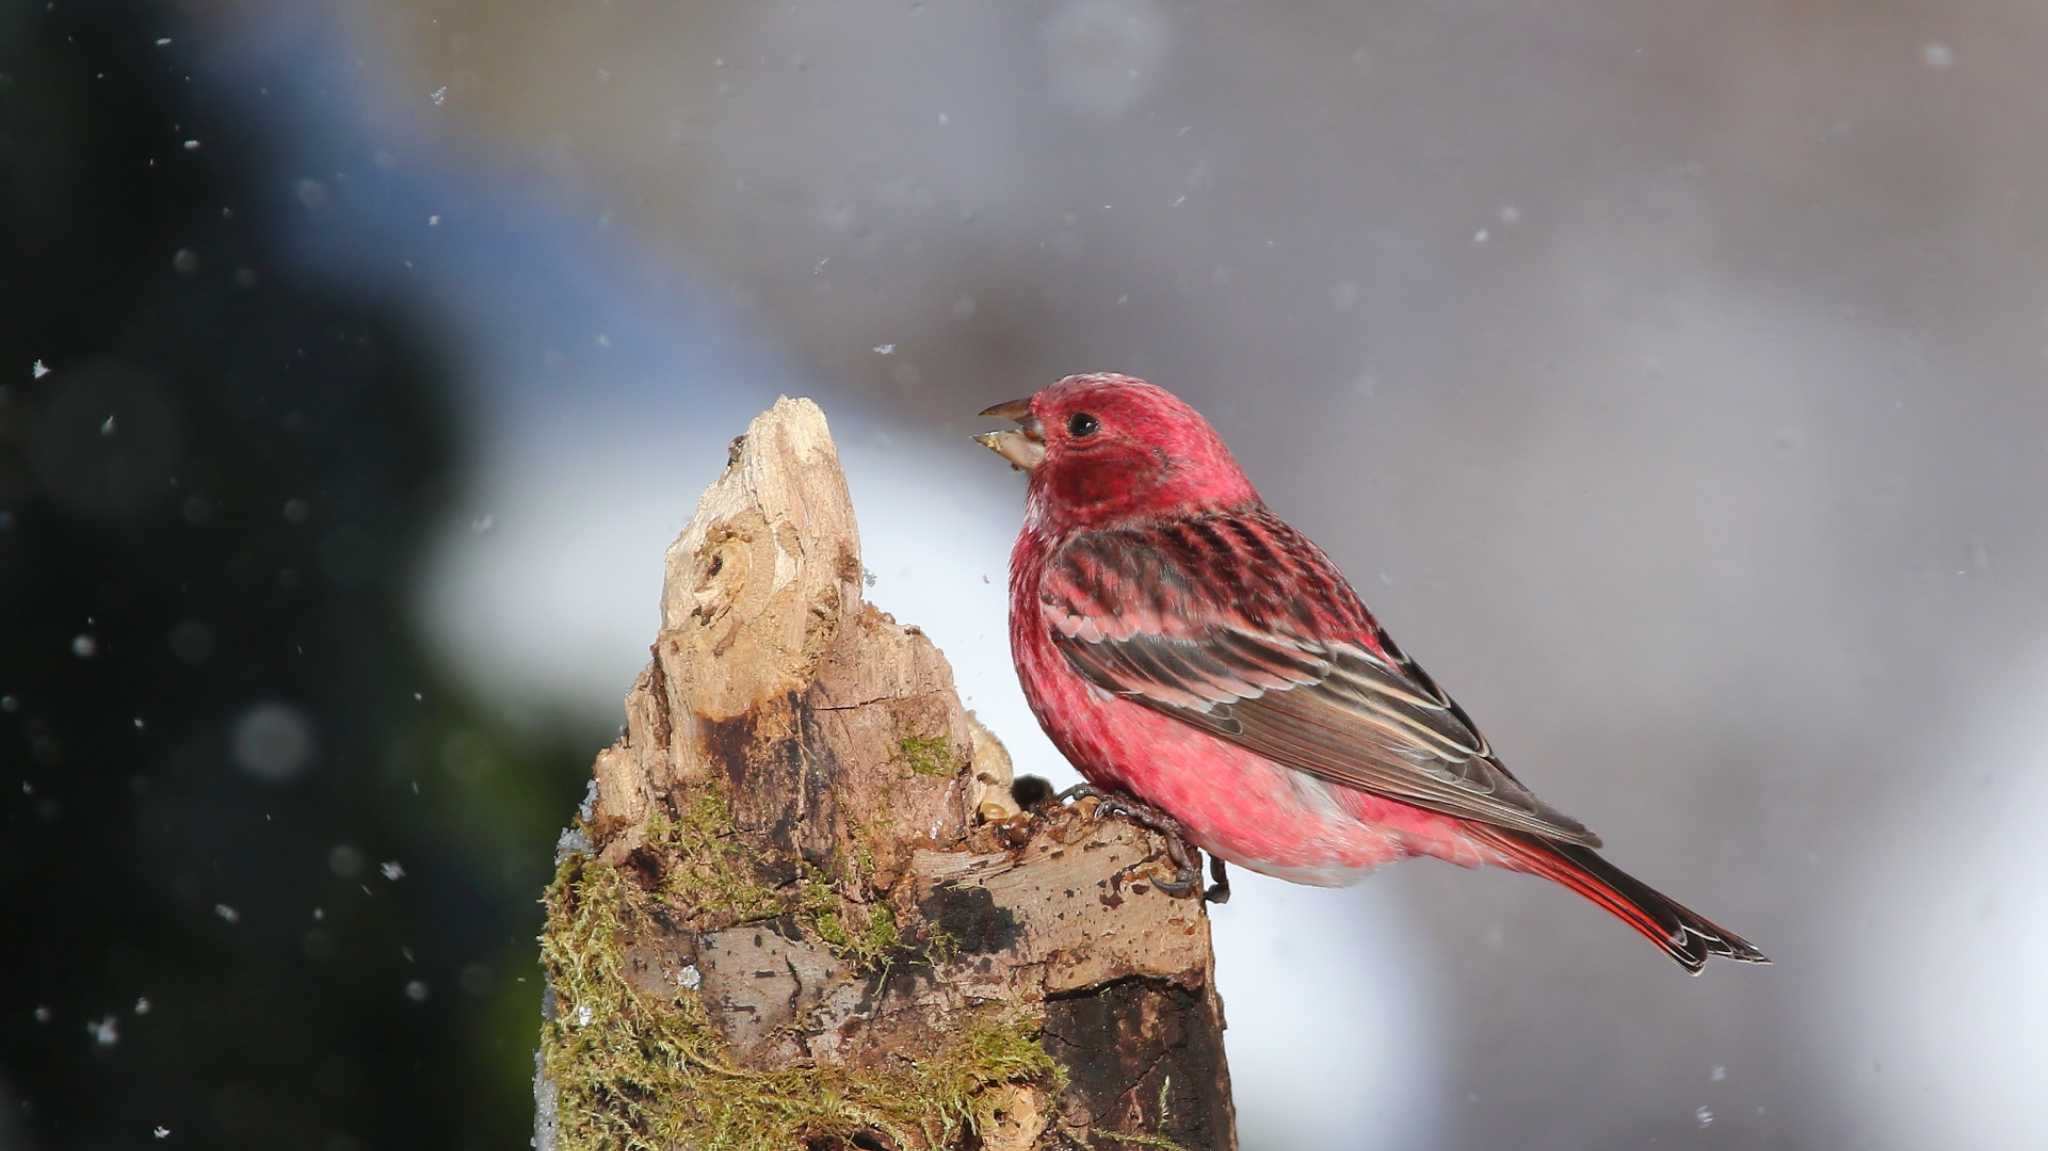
pixel 801 909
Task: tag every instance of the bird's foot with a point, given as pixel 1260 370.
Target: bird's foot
pixel 1180 850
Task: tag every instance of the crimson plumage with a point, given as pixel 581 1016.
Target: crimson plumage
pixel 1181 644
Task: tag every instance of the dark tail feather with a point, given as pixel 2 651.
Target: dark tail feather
pixel 1682 933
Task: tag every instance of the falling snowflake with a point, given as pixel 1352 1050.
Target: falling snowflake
pixel 227 914
pixel 37 370
pixel 161 1132
pixel 345 860
pixel 440 95
pixel 106 1032
pixel 393 871
pixel 142 1005
pixel 1705 1115
pixel 885 349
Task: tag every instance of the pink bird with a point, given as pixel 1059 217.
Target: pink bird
pixel 1210 672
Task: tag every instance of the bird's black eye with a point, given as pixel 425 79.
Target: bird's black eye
pixel 1082 424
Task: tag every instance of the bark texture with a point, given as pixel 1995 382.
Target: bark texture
pixel 801 908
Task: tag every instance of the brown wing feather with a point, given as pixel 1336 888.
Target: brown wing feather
pixel 1149 617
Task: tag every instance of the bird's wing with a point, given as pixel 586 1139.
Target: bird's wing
pixel 1237 624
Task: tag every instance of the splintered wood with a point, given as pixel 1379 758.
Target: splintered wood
pixel 804 909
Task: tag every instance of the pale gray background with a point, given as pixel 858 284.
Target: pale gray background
pixel 1669 376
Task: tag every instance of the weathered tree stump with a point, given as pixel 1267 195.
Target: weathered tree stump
pixel 801 909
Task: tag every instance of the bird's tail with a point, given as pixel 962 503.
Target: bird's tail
pixel 1683 934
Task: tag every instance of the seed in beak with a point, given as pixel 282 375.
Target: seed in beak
pixel 1025 446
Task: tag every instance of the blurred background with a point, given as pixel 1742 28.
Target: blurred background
pixel 1672 378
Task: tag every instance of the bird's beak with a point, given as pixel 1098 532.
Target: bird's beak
pixel 1024 447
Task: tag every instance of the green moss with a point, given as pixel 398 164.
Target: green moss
pixel 1158 1141
pixel 864 838
pixel 866 937
pixel 649 1072
pixel 713 877
pixel 707 869
pixel 940 945
pixel 928 755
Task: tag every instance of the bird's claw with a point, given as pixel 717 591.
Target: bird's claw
pixel 1180 851
pixel 1219 891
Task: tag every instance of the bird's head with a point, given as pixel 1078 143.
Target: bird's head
pixel 1104 449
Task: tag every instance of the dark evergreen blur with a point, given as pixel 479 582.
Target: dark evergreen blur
pixel 218 725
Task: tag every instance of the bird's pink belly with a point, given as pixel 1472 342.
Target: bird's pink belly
pixel 1241 806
